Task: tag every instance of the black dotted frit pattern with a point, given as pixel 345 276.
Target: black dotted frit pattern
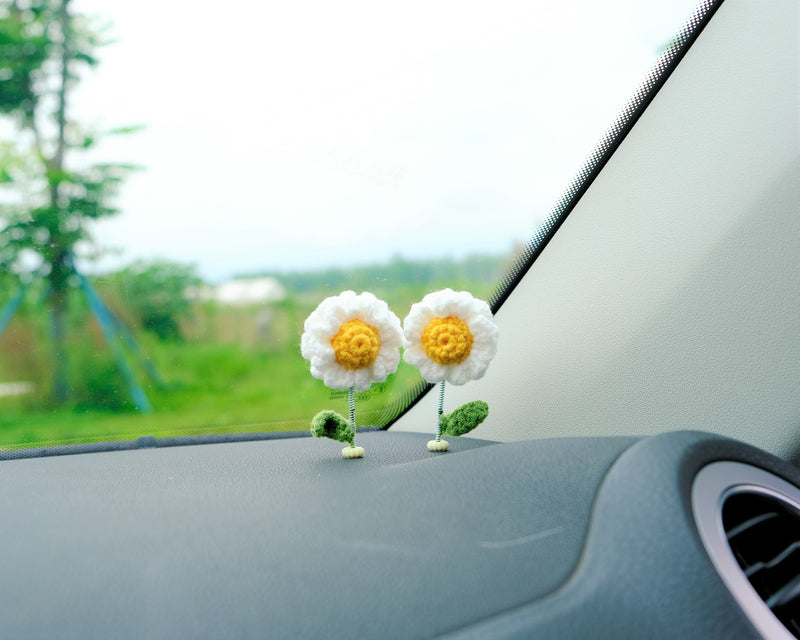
pixel 612 139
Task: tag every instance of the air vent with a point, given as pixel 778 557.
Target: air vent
pixel 764 535
pixel 749 522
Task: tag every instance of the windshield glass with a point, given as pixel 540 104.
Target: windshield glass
pixel 180 188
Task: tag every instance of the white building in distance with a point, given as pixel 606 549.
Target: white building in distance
pixel 242 292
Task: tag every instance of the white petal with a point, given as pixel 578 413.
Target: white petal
pixel 470 369
pixel 458 376
pixel 338 378
pixel 361 379
pixel 325 321
pixel 478 317
pixel 432 371
pixel 386 363
pixel 415 355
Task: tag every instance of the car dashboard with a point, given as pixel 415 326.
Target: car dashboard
pixel 554 538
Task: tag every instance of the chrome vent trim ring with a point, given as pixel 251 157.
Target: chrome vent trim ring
pixel 712 486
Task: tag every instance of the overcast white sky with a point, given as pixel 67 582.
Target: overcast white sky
pixel 291 135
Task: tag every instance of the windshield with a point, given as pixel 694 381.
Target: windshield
pixel 180 188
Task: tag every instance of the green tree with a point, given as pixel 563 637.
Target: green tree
pixel 44 47
pixel 156 293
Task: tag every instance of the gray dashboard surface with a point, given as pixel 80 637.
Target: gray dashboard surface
pixel 286 538
pixel 644 572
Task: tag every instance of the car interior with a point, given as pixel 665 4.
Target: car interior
pixel 636 476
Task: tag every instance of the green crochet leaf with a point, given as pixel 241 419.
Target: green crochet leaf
pixel 329 424
pixel 465 418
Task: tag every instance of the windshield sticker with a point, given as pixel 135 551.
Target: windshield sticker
pixel 361 396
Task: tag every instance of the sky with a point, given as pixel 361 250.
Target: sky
pixel 298 135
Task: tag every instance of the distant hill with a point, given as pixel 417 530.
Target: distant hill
pixel 484 269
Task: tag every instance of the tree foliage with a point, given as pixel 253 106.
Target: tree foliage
pixel 156 293
pixel 44 47
pixel 49 193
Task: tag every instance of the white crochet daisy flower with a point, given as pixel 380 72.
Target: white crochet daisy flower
pixel 450 335
pixel 352 341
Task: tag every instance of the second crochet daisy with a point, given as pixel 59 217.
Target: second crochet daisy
pixel 450 336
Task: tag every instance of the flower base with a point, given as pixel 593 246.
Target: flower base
pixel 353 452
pixel 438 445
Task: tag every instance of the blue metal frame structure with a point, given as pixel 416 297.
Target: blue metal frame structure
pixel 115 333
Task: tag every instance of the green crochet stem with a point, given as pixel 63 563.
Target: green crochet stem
pixel 464 419
pixel 329 424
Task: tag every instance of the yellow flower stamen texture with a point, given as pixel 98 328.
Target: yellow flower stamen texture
pixel 356 345
pixel 447 340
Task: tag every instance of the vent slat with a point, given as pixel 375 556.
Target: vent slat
pixel 763 533
pixel 749 524
pixel 785 594
pixel 773 562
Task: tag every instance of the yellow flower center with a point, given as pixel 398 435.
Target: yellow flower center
pixel 447 340
pixel 356 345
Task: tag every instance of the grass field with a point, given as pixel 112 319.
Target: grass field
pixel 230 374
pixel 211 389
